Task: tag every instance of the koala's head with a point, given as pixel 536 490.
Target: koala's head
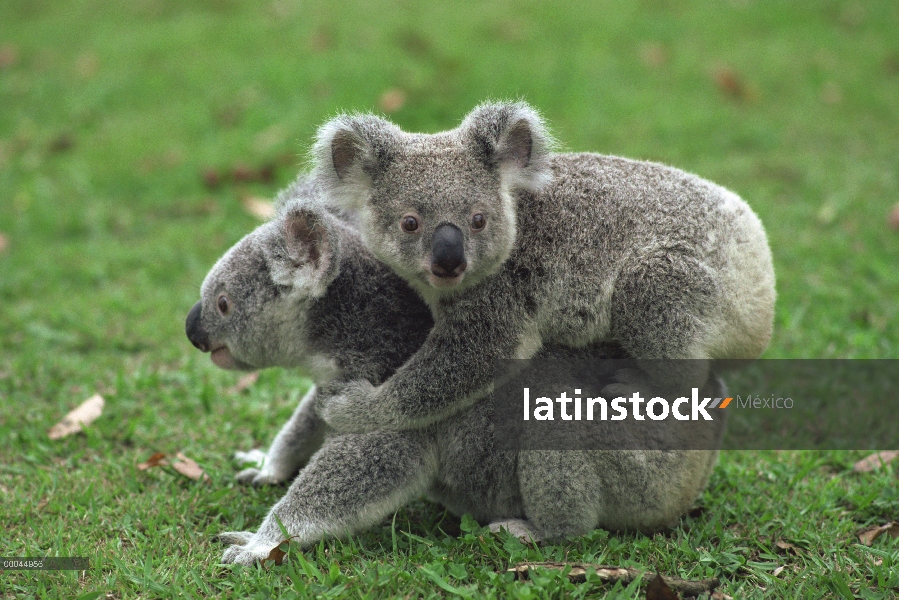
pixel 253 303
pixel 439 209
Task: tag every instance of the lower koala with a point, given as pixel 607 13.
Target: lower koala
pixel 302 290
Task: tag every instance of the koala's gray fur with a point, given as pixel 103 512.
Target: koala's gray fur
pixel 294 302
pixel 313 295
pixel 577 249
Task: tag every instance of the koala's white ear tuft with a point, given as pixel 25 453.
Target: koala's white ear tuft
pixel 349 153
pixel 511 137
pixel 310 244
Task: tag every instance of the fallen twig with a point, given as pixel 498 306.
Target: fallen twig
pixel 611 573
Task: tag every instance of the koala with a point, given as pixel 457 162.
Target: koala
pixel 303 291
pixel 286 295
pixel 515 247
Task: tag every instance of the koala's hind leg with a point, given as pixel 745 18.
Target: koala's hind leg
pixel 570 493
pixel 560 493
pixel 522 529
pixel 661 309
pixel 298 440
pixel 352 483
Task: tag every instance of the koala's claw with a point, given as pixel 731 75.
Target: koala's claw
pixel 261 473
pixel 247 475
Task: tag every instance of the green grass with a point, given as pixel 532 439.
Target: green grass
pixel 111 111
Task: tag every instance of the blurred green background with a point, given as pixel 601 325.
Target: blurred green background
pixel 132 135
pixel 112 113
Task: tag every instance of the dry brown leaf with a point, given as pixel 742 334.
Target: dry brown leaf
pixel 86 413
pixel 894 217
pixel 875 461
pixel 277 555
pixel 728 82
pixel 262 209
pixel 4 243
pixel 156 460
pixel 787 547
pixel 211 178
pixel 720 596
pixel 43 503
pixel 244 382
pixel 657 589
pixel 181 464
pixel 777 571
pixel 868 536
pixel 392 100
pixel 732 84
pixel 243 173
pixel 189 468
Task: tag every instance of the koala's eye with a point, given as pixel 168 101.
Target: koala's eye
pixel 224 305
pixel 478 221
pixel 409 224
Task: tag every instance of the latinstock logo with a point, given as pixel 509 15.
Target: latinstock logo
pixel 625 404
pixel 589 409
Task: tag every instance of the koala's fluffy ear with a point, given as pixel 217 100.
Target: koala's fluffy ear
pixel 350 151
pixel 511 137
pixel 307 259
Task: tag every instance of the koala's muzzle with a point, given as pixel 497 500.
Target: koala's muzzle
pixel 195 333
pixel 448 251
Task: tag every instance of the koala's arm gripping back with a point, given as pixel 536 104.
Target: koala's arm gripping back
pixel 452 370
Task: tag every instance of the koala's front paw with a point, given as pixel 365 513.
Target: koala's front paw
pixel 235 537
pixel 257 477
pixel 246 548
pixel 354 410
pixel 254 456
pixel 261 474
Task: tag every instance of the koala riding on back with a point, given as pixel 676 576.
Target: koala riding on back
pixel 513 247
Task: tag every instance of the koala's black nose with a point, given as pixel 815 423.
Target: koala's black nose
pixel 448 251
pixel 194 331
